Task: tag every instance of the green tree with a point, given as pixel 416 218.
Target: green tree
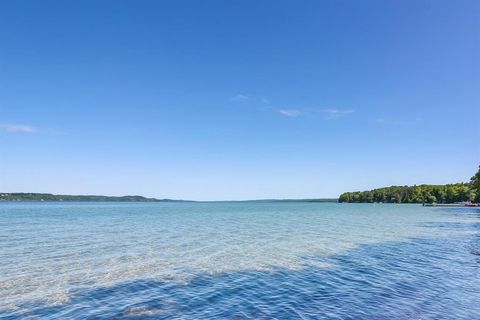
pixel 475 185
pixel 431 199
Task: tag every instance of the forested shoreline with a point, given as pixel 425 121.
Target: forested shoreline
pixel 449 193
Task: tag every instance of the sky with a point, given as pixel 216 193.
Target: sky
pixel 231 100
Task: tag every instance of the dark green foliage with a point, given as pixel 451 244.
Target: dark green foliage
pixel 449 193
pixel 475 185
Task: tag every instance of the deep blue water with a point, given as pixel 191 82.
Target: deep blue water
pixel 333 261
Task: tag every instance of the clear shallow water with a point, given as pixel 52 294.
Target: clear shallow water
pixel 238 260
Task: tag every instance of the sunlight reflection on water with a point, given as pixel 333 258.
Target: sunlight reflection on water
pixel 52 251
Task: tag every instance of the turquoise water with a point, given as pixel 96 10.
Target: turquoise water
pixel 240 260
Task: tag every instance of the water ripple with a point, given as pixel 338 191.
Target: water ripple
pixel 214 261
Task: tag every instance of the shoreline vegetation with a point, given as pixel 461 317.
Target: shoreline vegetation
pixel 450 193
pixel 430 194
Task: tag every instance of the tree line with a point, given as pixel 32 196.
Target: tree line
pixel 450 193
pixel 64 197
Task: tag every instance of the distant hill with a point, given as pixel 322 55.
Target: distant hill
pixel 21 196
pixel 63 197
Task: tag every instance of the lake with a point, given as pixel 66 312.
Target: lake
pixel 238 260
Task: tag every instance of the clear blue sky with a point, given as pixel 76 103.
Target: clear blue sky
pixel 237 99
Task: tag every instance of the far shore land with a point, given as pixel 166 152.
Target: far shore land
pixel 20 196
pixel 46 197
pixel 457 194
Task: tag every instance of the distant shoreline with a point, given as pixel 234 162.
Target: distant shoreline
pixel 49 197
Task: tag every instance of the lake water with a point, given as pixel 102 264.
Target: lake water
pixel 238 260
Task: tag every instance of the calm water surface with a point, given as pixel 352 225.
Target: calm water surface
pixel 238 260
